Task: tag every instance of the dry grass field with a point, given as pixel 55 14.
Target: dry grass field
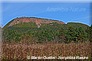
pixel 21 51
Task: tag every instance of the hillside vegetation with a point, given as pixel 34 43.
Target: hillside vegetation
pixel 25 37
pixel 29 32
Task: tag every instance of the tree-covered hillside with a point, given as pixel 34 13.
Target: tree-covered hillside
pixel 52 32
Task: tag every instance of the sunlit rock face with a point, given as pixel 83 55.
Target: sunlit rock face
pixel 38 21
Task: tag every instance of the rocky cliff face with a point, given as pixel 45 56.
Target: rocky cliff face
pixel 38 21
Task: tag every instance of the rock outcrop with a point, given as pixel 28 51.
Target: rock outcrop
pixel 38 21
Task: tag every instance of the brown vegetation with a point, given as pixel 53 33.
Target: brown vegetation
pixel 21 51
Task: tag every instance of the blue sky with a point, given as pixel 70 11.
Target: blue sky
pixel 66 12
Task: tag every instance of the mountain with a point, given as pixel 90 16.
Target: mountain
pixel 40 30
pixel 38 21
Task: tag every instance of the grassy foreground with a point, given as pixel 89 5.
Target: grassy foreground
pixel 21 51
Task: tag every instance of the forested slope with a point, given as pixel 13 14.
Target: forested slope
pixel 29 32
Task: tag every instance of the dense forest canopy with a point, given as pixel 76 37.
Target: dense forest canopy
pixel 52 32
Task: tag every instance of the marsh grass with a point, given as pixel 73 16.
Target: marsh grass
pixel 21 51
